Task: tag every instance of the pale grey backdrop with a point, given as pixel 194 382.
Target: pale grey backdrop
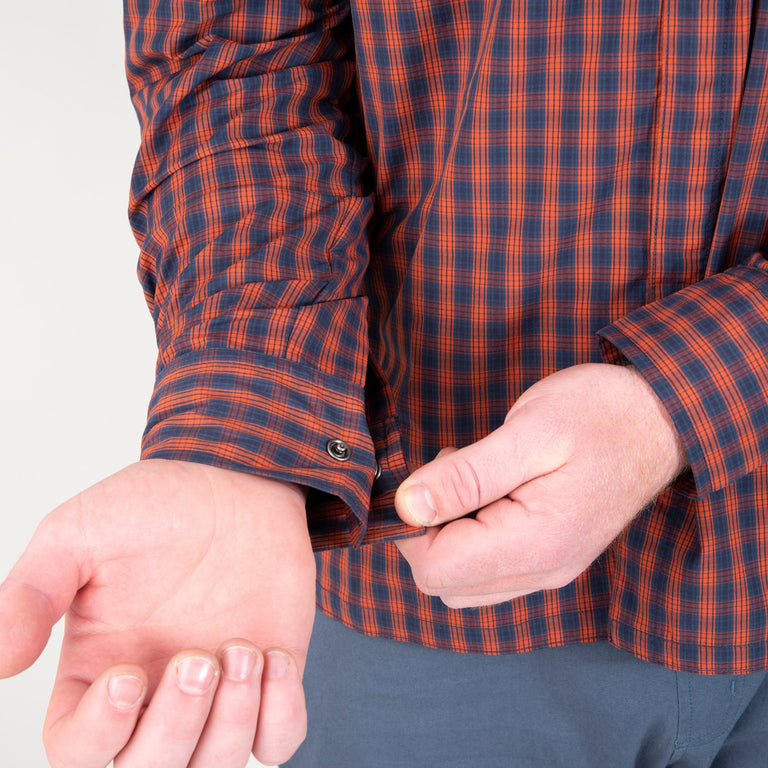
pixel 77 352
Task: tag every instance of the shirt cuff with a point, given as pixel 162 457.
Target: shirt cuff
pixel 704 350
pixel 273 417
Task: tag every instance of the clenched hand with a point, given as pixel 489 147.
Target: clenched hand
pixel 578 456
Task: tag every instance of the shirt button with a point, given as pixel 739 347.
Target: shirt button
pixel 378 472
pixel 338 449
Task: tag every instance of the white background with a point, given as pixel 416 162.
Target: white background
pixel 77 353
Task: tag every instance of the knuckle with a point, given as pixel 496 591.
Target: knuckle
pixel 552 561
pixel 430 577
pixel 463 482
pixel 558 563
pixel 425 580
pixel 562 578
pixel 285 712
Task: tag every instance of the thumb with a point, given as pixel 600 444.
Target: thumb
pixel 36 593
pixel 458 482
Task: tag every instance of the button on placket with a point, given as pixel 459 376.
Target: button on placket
pixel 338 449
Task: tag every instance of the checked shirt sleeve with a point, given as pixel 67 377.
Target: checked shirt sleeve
pixel 249 203
pixel 704 349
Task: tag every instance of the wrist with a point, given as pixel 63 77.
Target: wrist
pixel 659 427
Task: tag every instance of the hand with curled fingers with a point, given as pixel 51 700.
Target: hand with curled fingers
pixel 578 456
pixel 189 600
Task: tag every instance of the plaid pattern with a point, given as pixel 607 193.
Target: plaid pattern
pixel 380 221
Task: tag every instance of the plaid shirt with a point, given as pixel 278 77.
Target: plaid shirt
pixel 368 226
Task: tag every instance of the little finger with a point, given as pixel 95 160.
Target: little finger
pixel 283 713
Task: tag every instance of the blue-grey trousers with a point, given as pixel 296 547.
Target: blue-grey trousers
pixel 376 703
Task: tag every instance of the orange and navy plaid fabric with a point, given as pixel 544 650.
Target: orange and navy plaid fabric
pixel 379 221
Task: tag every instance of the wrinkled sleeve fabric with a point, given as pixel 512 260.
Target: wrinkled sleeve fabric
pixel 250 204
pixel 704 348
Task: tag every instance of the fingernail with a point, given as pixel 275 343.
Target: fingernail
pixel 420 504
pixel 276 664
pixel 237 662
pixel 125 691
pixel 195 675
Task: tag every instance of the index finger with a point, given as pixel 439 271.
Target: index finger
pixel 106 711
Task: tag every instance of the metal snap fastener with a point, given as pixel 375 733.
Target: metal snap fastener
pixel 338 449
pixel 378 472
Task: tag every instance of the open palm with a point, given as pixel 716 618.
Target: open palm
pixel 160 564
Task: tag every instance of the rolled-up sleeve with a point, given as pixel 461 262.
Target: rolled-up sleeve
pixel 704 349
pixel 250 203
